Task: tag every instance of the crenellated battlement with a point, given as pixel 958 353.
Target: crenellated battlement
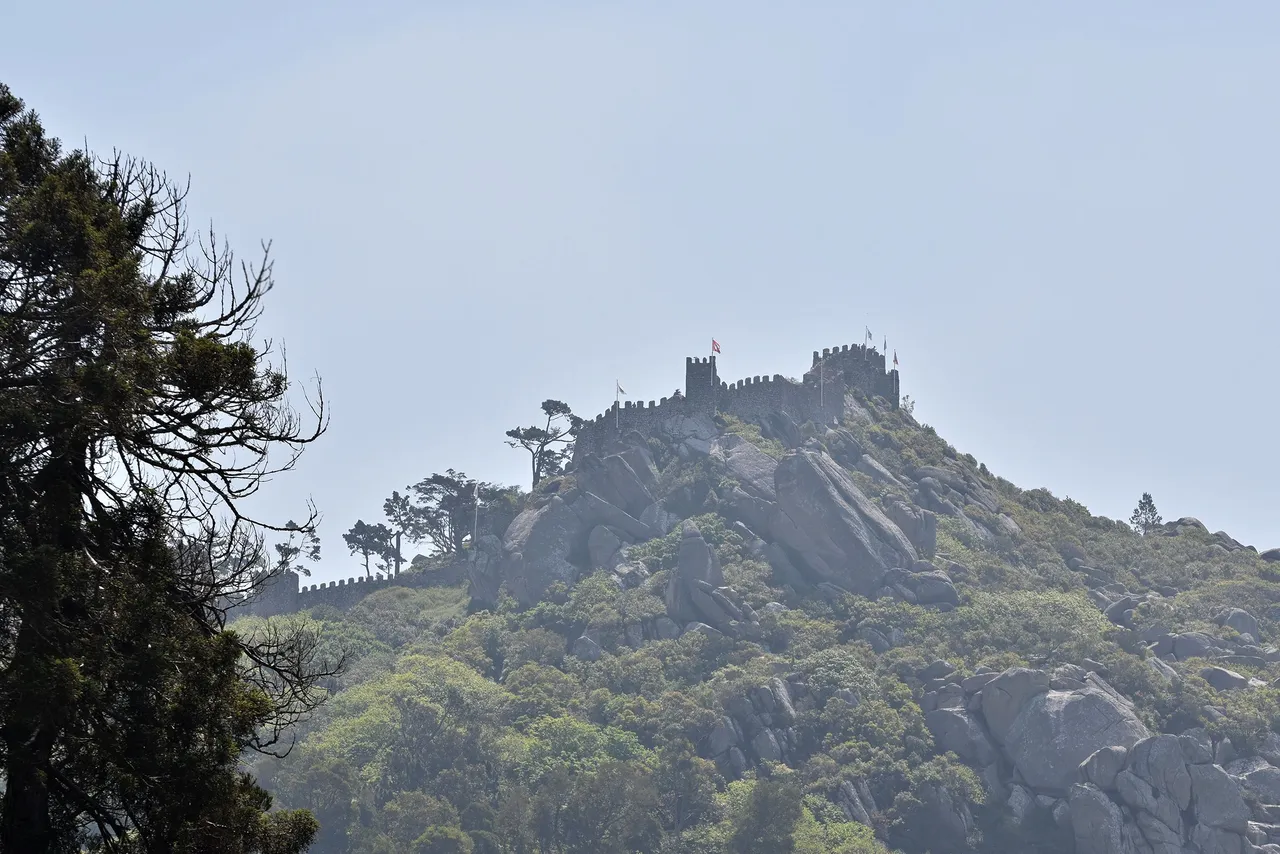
pixel 282 593
pixel 818 396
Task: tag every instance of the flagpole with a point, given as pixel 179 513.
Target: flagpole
pixel 475 520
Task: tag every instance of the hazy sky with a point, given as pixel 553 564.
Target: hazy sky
pixel 1064 216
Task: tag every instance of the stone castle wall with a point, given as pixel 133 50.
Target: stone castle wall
pixel 819 396
pixel 284 593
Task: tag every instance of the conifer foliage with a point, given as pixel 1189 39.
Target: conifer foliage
pixel 1145 517
pixel 135 416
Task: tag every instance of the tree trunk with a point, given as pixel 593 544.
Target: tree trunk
pixel 29 748
pixel 398 555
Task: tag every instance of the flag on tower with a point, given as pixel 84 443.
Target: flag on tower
pixel 869 338
pixel 621 390
pixel 715 346
pixel 895 359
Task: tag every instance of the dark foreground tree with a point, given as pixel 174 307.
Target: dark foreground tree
pixel 1145 517
pixel 551 444
pixel 135 416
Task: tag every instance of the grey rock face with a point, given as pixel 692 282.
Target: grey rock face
pixel 697 563
pixel 1057 730
pixel 1263 781
pixel 1101 768
pixel 1192 645
pixel 666 628
pixel 1004 696
pixel 1158 761
pixel 872 469
pixel 537 546
pixel 1217 799
pixel 920 526
pixel 934 588
pixel 1022 805
pixel 723 737
pixel 961 733
pixel 848 800
pixel 1223 679
pixel 613 479
pixel 1096 822
pixel 659 519
pixel 751 467
pixel 594 510
pixel 948 820
pixel 766 746
pixel 1212 840
pixel 879 643
pixel 844 447
pixel 602 545
pixel 1242 621
pixel 1196 746
pixel 840 534
pixel 485 570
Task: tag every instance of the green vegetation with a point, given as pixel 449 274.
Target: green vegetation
pixel 137 415
pixel 482 732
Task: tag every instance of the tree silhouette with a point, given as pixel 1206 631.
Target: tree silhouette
pixel 303 544
pixel 370 541
pixel 1145 517
pixel 550 445
pixel 448 504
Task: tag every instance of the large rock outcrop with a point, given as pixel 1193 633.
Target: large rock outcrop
pixel 1166 798
pixel 550 543
pixel 1055 731
pixel 613 479
pixel 696 592
pixel 838 534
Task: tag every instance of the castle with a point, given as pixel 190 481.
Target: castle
pixel 819 396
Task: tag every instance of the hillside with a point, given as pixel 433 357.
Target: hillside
pixel 756 631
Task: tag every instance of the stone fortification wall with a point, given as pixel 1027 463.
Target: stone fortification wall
pixel 818 397
pixel 861 368
pixel 284 594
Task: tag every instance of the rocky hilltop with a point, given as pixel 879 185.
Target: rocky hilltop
pixel 944 660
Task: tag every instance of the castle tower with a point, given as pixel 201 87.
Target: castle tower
pixel 701 384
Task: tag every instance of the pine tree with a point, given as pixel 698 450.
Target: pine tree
pixel 135 418
pixel 1145 518
pixel 550 445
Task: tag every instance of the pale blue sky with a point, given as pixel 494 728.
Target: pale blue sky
pixel 1063 216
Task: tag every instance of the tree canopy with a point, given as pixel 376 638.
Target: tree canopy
pixel 550 445
pixel 136 415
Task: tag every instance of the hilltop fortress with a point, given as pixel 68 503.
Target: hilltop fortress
pixel 819 396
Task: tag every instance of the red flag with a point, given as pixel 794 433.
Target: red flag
pixel 895 358
pixel 715 346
